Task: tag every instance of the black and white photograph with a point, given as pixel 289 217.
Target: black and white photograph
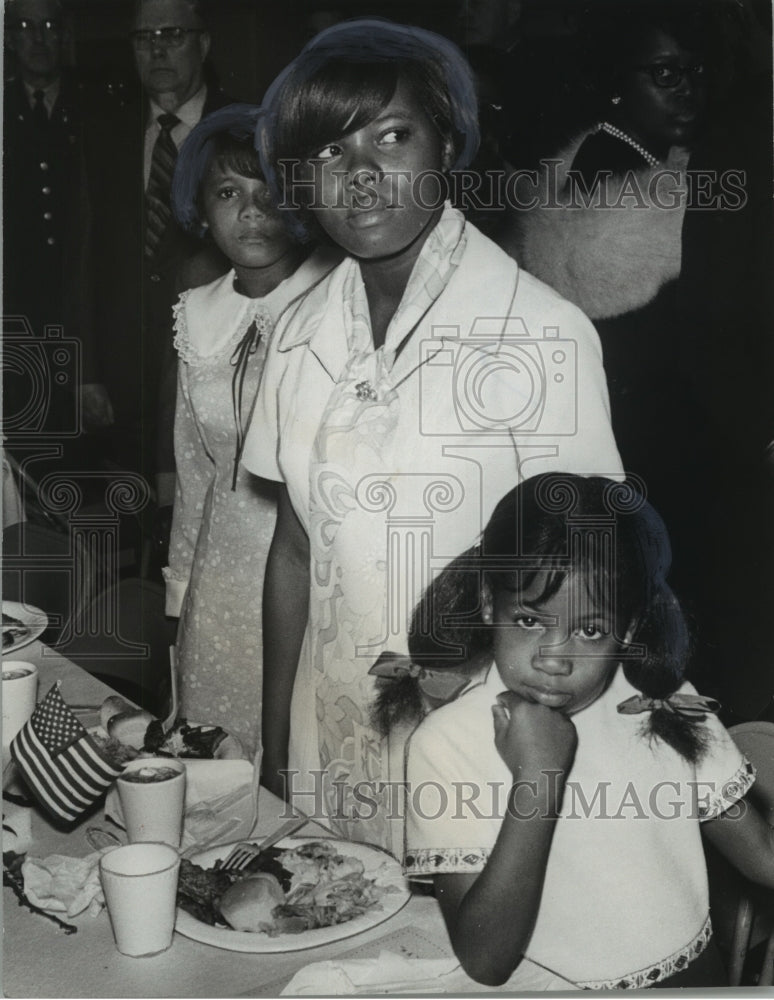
pixel 388 497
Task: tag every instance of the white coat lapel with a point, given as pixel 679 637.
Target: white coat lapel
pixel 311 323
pixel 459 313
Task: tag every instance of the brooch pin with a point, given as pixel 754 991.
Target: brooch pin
pixel 365 392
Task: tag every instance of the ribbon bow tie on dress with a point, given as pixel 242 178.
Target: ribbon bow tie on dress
pixel 440 684
pixel 692 706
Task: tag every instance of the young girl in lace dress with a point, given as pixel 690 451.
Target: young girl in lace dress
pixel 557 802
pixel 223 517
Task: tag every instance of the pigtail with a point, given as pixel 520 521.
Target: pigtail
pixel 398 702
pixel 446 633
pixel 446 629
pixel 663 633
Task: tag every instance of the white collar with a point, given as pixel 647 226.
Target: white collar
pixel 217 314
pixel 446 233
pixel 189 113
pixel 50 93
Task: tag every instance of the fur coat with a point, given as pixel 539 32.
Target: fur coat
pixel 611 251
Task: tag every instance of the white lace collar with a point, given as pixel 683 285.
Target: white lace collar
pixel 212 319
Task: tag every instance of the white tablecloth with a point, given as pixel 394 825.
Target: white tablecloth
pixel 40 960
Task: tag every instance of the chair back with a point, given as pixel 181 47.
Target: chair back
pixel 126 640
pixel 754 912
pixel 47 569
pixel 756 741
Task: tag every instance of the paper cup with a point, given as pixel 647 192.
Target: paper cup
pixel 20 692
pixel 153 809
pixel 140 886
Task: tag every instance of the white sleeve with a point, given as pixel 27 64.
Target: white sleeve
pixel 723 775
pixel 195 471
pixel 455 802
pixel 576 408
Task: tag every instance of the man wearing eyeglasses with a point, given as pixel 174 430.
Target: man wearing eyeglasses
pixel 170 47
pixel 138 246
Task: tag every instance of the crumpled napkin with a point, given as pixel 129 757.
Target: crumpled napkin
pixel 393 973
pixel 61 884
pixel 373 975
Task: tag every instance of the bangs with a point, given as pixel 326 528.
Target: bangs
pixel 597 593
pixel 339 99
pixel 229 153
pixel 523 581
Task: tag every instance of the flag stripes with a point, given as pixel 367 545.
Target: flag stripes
pixel 59 760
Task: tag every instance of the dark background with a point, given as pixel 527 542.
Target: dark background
pixel 254 39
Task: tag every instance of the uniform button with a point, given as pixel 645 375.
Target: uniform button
pixel 44 166
pixel 51 241
pixel 48 216
pixel 155 277
pixel 46 190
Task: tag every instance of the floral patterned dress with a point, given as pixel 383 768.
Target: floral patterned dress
pixel 224 517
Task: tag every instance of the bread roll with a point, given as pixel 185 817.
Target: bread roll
pixel 130 727
pixel 114 705
pixel 248 904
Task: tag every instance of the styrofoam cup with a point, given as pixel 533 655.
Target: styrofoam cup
pixel 20 692
pixel 153 811
pixel 140 886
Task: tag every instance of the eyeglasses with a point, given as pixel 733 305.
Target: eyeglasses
pixel 167 38
pixel 30 27
pixel 670 74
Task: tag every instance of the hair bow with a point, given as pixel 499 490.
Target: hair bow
pixel 440 683
pixel 692 706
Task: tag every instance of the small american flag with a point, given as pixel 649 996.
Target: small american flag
pixel 59 760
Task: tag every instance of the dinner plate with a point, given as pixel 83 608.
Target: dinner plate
pixel 378 864
pixel 33 618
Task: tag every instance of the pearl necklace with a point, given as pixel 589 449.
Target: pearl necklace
pixel 649 158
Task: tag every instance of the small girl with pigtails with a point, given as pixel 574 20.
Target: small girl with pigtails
pixel 557 797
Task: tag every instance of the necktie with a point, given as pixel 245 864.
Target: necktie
pixel 39 110
pixel 157 210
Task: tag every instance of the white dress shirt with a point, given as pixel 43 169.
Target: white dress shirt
pixel 189 114
pixel 50 95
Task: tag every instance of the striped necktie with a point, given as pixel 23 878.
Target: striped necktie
pixel 157 210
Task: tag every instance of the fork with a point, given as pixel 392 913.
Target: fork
pixel 242 854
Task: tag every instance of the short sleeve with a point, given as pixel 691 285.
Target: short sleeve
pixel 576 412
pixel 723 775
pixel 454 813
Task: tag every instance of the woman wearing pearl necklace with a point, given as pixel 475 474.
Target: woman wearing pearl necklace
pixel 652 80
pixel 621 263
